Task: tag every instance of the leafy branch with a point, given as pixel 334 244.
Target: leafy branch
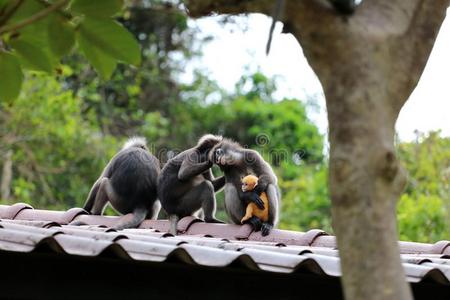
pixel 36 17
pixel 8 14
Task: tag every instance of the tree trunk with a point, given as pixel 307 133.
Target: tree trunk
pixel 365 181
pixel 5 185
pixel 368 64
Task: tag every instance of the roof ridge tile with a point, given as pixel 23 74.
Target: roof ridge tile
pixel 11 211
pixel 186 222
pixel 441 247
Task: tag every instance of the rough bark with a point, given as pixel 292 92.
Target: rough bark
pixel 368 64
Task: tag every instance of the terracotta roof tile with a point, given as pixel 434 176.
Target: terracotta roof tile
pixel 23 229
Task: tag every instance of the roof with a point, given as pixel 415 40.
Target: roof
pixel 27 230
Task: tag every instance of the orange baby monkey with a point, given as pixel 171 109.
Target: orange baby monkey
pixel 249 182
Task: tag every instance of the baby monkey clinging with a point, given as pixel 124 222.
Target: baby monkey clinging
pixel 249 182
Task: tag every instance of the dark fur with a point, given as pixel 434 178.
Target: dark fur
pixel 129 183
pixel 236 162
pixel 345 7
pixel 186 183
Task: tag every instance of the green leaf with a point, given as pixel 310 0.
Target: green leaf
pixel 3 3
pixel 26 10
pixel 61 36
pixel 32 56
pixel 97 8
pixel 11 76
pixel 112 38
pixel 102 62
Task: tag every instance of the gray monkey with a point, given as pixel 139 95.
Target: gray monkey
pixel 237 162
pixel 128 182
pixel 186 183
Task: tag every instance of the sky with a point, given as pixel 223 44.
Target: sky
pixel 236 48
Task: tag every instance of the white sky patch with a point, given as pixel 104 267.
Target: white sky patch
pixel 233 51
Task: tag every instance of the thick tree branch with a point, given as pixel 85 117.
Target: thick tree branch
pixel 422 32
pixel 203 8
pixel 388 17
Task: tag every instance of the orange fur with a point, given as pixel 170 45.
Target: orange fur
pixel 249 182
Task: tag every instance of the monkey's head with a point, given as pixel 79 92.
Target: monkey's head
pixel 136 141
pixel 226 153
pixel 249 182
pixel 208 141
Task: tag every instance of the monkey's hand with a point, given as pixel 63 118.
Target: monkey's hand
pixel 266 228
pixel 255 222
pixel 253 197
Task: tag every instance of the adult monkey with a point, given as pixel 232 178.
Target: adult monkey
pixel 237 162
pixel 128 182
pixel 186 183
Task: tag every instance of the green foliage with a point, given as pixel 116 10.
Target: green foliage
pixel 424 209
pixel 423 218
pixel 98 8
pixel 63 131
pixel 10 76
pixel 108 38
pixel 61 36
pixel 56 154
pixel 41 32
pixel 31 56
pixel 306 202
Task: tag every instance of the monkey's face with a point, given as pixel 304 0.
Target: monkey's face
pixel 226 154
pixel 249 182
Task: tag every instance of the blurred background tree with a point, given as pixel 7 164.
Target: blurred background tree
pixel 57 135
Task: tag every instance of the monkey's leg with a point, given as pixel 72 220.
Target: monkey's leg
pixel 131 220
pixel 208 199
pixel 248 213
pixel 173 219
pixel 91 197
pixel 200 196
pixel 105 192
pixel 155 210
pixel 255 222
pixel 233 205
pixel 199 214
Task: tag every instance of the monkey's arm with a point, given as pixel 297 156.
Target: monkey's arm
pixel 262 170
pixel 189 169
pixel 251 197
pixel 218 182
pixel 272 197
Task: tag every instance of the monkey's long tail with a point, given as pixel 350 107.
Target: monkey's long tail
pixel 131 220
pixel 173 219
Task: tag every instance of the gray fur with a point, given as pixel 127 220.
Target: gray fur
pixel 128 183
pixel 186 183
pixel 237 162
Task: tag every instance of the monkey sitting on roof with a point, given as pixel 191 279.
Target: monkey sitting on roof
pixel 249 182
